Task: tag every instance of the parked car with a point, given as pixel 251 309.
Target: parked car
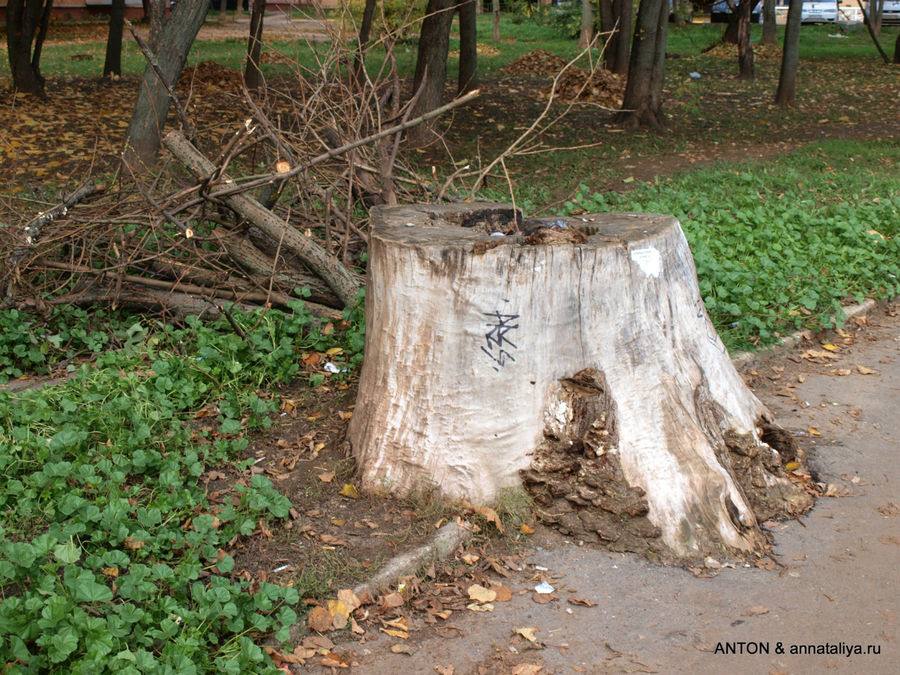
pixel 890 14
pixel 819 11
pixel 721 12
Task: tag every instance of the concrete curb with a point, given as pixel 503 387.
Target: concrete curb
pixel 748 359
pixel 448 537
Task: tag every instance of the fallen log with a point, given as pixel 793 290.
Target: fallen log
pixel 332 271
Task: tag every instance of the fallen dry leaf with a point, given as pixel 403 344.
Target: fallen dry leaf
pixel 390 601
pixel 349 490
pixel 470 558
pixel 444 670
pixel 317 643
pixel 487 513
pixel 340 614
pixel 326 477
pixel 524 529
pixel 349 598
pixel 332 660
pixel 400 623
pixel 830 347
pixel 403 649
pixel 479 593
pixel 756 610
pixel 476 607
pixel 544 598
pixel 528 632
pixel 403 635
pixel 865 371
pixel 319 619
pixel 574 600
pixel 527 669
pixel 502 593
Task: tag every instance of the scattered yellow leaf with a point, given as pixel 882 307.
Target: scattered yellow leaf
pixel 470 558
pixel 349 490
pixel 813 431
pixel 282 167
pixel 830 347
pixel 403 635
pixel 863 370
pixel 792 466
pixel 524 529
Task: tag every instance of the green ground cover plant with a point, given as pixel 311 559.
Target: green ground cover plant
pixel 780 245
pixel 111 553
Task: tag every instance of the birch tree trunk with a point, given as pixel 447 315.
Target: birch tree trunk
pixel 580 359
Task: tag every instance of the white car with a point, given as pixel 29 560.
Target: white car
pixel 890 14
pixel 819 11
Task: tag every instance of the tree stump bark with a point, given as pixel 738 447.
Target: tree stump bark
pixel 577 357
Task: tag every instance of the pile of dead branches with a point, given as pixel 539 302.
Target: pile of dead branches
pixel 271 208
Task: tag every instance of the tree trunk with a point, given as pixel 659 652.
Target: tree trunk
pixel 157 18
pixel 252 74
pixel 495 10
pixel 587 24
pixel 745 51
pixel 26 25
pixel 642 105
pixel 615 18
pixel 152 106
pixel 584 350
pixel 790 56
pixel 732 29
pixel 897 50
pixel 365 33
pixel 870 26
pixel 468 48
pixel 113 63
pixel 431 65
pixel 770 29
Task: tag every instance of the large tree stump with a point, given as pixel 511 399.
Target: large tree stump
pixel 580 359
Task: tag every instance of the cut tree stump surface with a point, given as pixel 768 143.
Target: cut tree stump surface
pixel 579 358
